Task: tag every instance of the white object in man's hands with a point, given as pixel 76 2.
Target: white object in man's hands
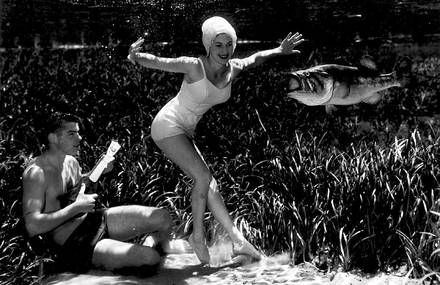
pixel 104 161
pixel 83 188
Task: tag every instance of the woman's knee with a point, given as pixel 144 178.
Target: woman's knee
pixel 203 181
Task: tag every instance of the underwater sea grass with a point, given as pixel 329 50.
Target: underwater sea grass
pixel 360 188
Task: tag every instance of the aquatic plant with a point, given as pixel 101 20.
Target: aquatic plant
pixel 360 188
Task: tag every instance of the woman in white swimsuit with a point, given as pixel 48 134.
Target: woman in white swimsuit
pixel 207 82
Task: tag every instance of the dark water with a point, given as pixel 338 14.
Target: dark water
pixel 329 22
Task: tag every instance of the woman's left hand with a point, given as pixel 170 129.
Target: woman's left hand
pixel 290 42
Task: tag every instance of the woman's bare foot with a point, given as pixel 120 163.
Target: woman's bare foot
pixel 200 249
pixel 244 247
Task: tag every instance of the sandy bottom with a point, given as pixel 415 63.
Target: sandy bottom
pixel 183 268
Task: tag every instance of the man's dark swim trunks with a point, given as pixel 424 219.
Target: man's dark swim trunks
pixel 76 253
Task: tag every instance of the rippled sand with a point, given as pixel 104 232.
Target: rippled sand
pixel 183 268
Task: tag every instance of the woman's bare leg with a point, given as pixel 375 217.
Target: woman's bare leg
pixel 182 152
pixel 214 199
pixel 217 206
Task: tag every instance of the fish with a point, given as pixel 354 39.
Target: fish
pixel 333 84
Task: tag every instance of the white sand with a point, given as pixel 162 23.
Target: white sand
pixel 184 268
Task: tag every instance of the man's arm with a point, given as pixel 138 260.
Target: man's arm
pixel 34 195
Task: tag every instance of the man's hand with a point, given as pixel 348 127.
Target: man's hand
pixel 85 203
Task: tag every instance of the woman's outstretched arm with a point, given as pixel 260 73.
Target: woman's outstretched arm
pixel 181 64
pixel 286 47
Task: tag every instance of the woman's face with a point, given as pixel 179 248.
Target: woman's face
pixel 222 48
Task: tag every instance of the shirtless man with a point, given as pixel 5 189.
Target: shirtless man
pixel 84 236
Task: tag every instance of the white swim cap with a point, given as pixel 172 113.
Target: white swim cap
pixel 214 26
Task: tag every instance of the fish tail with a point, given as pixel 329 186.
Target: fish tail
pixel 403 71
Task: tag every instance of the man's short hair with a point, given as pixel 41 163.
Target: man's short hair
pixel 57 120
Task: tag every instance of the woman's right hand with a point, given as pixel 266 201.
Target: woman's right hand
pixel 133 49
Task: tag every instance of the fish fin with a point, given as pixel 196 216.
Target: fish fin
pixel 298 93
pixel 373 99
pixel 368 62
pixel 330 109
pixel 290 95
pixel 368 65
pixel 309 98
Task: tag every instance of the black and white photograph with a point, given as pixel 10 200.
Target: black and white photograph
pixel 190 142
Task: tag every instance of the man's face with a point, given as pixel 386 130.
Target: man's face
pixel 69 138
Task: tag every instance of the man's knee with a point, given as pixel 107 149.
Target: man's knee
pixel 163 219
pixel 110 254
pixel 152 258
pixel 145 256
pixel 146 265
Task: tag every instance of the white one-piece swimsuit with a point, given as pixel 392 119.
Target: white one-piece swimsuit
pixel 182 113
